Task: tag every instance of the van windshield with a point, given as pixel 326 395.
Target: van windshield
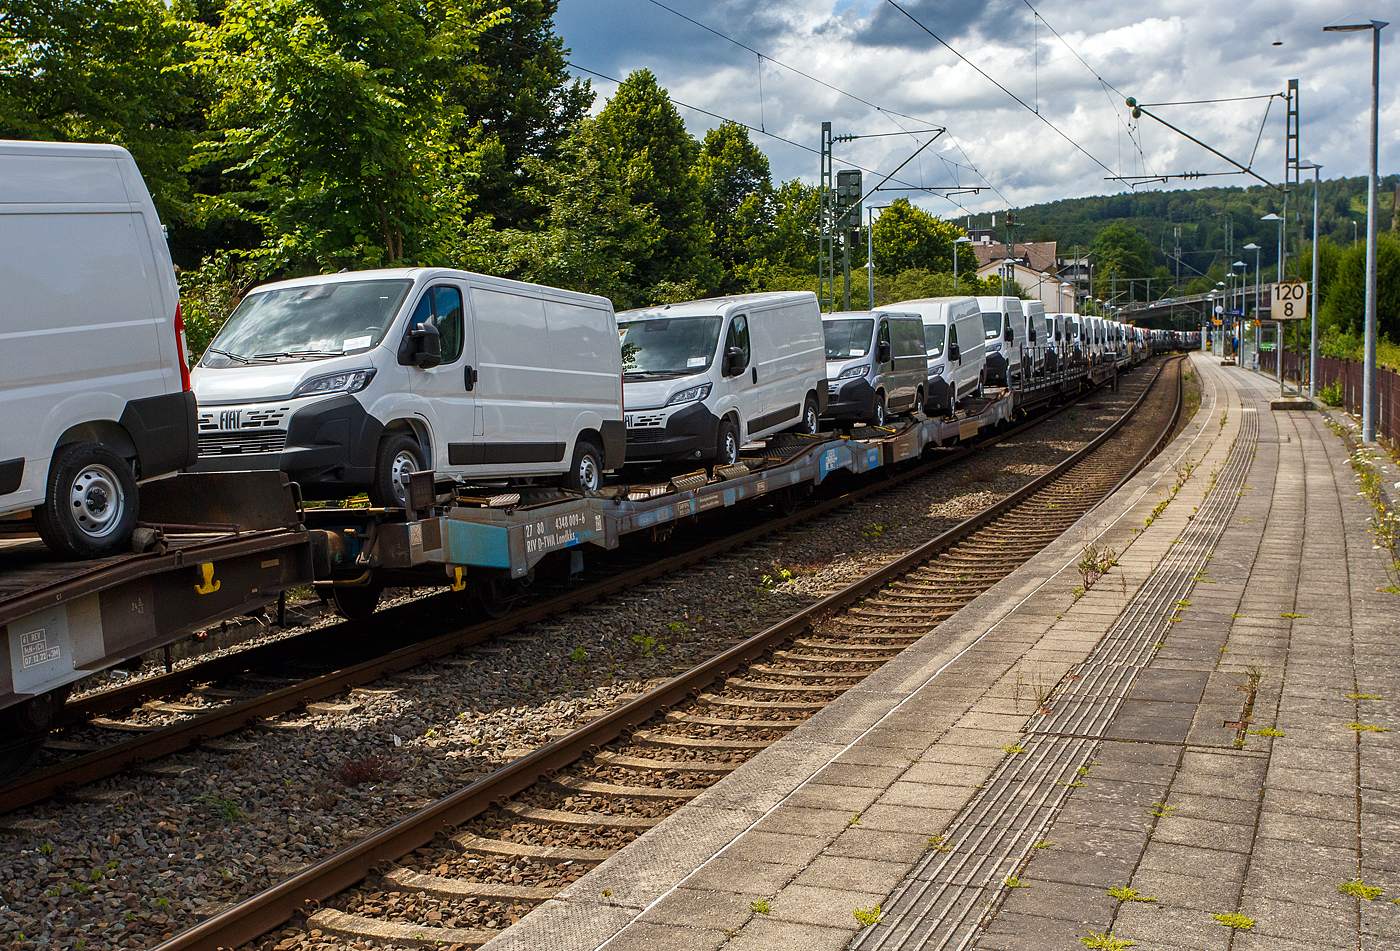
pixel 668 346
pixel 308 322
pixel 933 339
pixel 991 325
pixel 848 338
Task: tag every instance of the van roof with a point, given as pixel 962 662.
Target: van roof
pixel 428 274
pixel 99 149
pixel 882 312
pixel 723 306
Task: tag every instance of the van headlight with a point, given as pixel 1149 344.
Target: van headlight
pixel 851 373
pixel 346 381
pixel 994 348
pixel 690 395
pixel 937 369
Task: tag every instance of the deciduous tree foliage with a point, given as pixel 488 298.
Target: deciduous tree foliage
pixel 640 135
pixel 906 237
pixel 1344 303
pixel 1122 252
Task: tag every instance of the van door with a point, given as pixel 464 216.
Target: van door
pixel 742 389
pixel 447 391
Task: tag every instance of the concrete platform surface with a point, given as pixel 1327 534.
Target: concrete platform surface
pixel 1198 752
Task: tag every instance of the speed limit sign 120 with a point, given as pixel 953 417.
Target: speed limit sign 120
pixel 1289 301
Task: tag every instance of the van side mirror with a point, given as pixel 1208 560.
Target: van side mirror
pixel 1010 335
pixel 954 352
pixel 733 361
pixel 421 348
pixel 882 352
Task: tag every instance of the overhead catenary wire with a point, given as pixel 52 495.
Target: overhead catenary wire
pixel 981 72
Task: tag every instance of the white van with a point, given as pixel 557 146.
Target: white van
pixel 94 388
pixel 1036 337
pixel 876 365
pixel 1093 333
pixel 704 377
pixel 1004 333
pixel 953 339
pixel 350 382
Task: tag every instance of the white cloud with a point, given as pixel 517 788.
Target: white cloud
pixel 1155 51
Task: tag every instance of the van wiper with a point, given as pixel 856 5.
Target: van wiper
pixel 300 354
pixel 232 356
pixel 665 374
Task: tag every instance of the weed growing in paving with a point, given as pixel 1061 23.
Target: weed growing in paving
pixel 868 916
pixel 1233 920
pixel 1360 889
pixel 936 843
pixel 854 820
pixel 760 906
pixel 1123 893
pixel 1018 748
pixel 1159 809
pixel 1293 616
pixel 1267 731
pixel 1363 696
pixel 1105 942
pixel 1367 728
pixel 1095 563
pixel 1011 881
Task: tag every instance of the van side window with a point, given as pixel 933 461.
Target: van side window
pixel 442 307
pixel 738 336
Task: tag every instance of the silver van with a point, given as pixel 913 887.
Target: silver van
pixel 875 364
pixel 1004 332
pixel 953 341
pixel 94 385
pixel 351 382
pixel 702 378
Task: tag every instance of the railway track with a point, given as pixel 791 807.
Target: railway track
pixel 461 869
pixel 258 683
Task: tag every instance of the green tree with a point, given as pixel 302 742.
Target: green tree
pixel 737 191
pixel 593 234
pixel 640 134
pixel 104 71
pixel 335 118
pixel 1121 252
pixel 512 88
pixel 1344 303
pixel 907 237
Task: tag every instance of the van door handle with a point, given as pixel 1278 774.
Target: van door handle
pixel 469 378
pixel 754 371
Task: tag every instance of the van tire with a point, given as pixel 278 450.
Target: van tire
pixel 878 412
pixel 586 471
pixel 918 401
pixel 392 468
pixel 727 443
pixel 90 502
pixel 811 417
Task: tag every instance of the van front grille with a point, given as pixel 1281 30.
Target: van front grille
pixel 241 443
pixel 639 436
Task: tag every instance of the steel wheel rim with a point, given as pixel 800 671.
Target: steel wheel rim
pixel 811 420
pixel 405 464
pixel 588 474
pixel 731 449
pixel 98 501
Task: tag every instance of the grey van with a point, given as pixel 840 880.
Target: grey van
pixel 876 365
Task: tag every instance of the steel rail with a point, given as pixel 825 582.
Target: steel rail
pixel 250 919
pixel 99 764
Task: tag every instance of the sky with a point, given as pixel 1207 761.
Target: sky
pixel 885 74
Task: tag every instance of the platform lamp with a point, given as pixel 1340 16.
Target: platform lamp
pixel 1243 280
pixel 957 241
pixel 1255 248
pixel 1220 306
pixel 1278 275
pixel 1312 332
pixel 1368 388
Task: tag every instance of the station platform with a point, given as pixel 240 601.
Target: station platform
pixel 1197 752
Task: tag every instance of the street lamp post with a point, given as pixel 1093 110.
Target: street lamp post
pixel 1368 387
pixel 1312 336
pixel 1278 275
pixel 957 241
pixel 1219 306
pixel 1239 323
pixel 870 254
pixel 1255 248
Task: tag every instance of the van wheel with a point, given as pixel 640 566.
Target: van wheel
pixel 811 423
pixel 586 472
pixel 727 445
pixel 399 457
pixel 919 400
pixel 90 504
pixel 356 602
pixel 877 412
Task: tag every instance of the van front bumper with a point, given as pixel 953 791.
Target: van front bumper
pixel 854 399
pixel 329 450
pixel 690 433
pixel 996 369
pixel 940 397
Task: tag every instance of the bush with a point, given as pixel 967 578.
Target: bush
pixel 1331 395
pixel 208 295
